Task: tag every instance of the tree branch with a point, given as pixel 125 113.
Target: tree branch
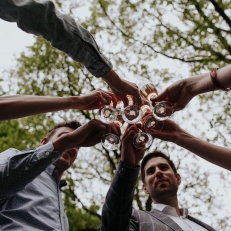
pixel 221 12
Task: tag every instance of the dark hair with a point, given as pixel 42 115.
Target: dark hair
pixel 154 155
pixel 71 124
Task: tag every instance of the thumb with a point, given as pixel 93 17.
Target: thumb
pixel 163 96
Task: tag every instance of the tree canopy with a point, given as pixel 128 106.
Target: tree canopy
pixel 134 35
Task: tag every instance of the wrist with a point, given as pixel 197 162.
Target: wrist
pixel 62 144
pixel 112 79
pixel 73 102
pixel 128 165
pixel 182 139
pixel 202 84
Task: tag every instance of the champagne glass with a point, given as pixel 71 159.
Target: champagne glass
pixel 132 113
pixel 147 91
pixel 150 124
pixel 163 110
pixel 107 114
pixel 143 140
pixel 111 141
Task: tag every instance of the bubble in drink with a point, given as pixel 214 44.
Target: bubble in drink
pixel 148 91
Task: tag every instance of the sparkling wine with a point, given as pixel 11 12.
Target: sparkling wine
pixel 163 110
pixel 148 90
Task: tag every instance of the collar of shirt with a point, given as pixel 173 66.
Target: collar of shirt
pixel 168 210
pixel 51 169
pixel 54 172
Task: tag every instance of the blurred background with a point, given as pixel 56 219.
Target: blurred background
pixel 163 41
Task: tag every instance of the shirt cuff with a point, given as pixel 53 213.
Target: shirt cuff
pixel 128 172
pixel 47 152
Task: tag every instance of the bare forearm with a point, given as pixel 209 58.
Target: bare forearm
pixel 17 106
pixel 210 152
pixel 204 84
pixel 112 79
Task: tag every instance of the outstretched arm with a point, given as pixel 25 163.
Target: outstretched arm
pixel 117 209
pixel 181 92
pixel 41 18
pixel 18 168
pixel 215 154
pixel 17 106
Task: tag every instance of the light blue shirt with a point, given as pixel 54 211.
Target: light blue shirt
pixel 30 198
pixel 40 17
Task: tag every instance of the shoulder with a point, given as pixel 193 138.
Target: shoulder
pixel 8 153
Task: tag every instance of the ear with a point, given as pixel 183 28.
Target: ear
pixel 44 141
pixel 178 178
pixel 145 189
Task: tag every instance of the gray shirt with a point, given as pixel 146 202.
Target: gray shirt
pixel 41 18
pixel 30 198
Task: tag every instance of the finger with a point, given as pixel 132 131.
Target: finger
pixel 163 96
pixel 114 99
pixel 134 127
pixel 100 128
pixel 137 101
pixel 102 98
pixel 128 137
pixel 108 128
pixel 125 101
pixel 115 129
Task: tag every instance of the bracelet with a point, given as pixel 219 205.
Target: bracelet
pixel 216 83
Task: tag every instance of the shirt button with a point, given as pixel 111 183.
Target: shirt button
pixel 53 159
pixel 47 153
pixel 122 171
pixel 26 168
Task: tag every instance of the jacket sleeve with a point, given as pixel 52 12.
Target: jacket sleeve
pixel 40 17
pixel 117 209
pixel 18 168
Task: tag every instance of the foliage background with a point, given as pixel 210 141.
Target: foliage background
pixel 160 41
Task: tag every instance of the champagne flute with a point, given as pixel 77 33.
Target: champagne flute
pixel 147 91
pixel 162 110
pixel 111 141
pixel 107 114
pixel 132 113
pixel 143 140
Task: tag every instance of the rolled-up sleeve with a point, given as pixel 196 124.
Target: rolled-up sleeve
pixel 18 168
pixel 42 19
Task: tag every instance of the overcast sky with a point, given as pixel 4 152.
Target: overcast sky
pixel 12 42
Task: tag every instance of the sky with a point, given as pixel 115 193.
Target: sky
pixel 13 41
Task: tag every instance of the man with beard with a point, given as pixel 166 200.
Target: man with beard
pixel 160 182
